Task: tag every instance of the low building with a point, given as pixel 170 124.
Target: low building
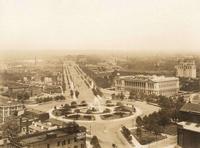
pixel 158 85
pixel 188 130
pixel 51 89
pixel 36 114
pixel 4 143
pixel 71 136
pixel 15 89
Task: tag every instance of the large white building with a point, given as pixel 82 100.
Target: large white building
pixel 158 85
pixel 186 68
pixel 8 109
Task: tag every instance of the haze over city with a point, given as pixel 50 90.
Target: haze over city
pixel 170 26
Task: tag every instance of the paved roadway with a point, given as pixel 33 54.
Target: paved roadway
pixel 107 132
pixel 79 84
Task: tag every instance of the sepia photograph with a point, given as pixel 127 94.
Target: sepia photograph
pixel 99 74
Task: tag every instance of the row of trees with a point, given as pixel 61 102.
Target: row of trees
pixel 49 98
pixel 21 97
pixel 127 133
pixel 157 121
pixel 76 93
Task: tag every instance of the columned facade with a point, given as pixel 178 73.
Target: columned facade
pixel 166 86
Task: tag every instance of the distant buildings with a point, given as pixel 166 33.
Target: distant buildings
pixel 158 85
pixel 8 109
pixel 38 126
pixel 71 136
pixel 188 132
pixel 186 68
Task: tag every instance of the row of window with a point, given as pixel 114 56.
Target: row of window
pixel 64 142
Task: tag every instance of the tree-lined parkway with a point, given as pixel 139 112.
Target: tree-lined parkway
pixel 107 131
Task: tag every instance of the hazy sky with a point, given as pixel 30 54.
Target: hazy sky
pixel 100 24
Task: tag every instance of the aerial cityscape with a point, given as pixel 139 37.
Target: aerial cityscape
pixel 100 101
pixel 99 74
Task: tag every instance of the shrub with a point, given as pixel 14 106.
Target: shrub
pixel 73 104
pixel 107 110
pixel 77 110
pixel 119 104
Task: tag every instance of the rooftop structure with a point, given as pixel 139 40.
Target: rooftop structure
pixel 191 108
pixel 189 127
pixel 158 85
pixel 72 135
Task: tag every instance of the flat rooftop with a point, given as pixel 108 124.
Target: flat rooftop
pixel 191 107
pixel 153 78
pixel 25 140
pixel 191 126
pixel 4 101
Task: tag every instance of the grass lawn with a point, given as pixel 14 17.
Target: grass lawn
pixel 80 117
pixel 114 116
pixel 147 137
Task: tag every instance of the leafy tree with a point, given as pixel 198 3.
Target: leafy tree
pixel 73 104
pixel 11 127
pixel 126 132
pixel 122 96
pixel 164 117
pixel 139 132
pixel 71 93
pixel 77 110
pixel 157 130
pixel 83 103
pixel 119 104
pixel 113 96
pixel 66 108
pixel 95 142
pixel 77 93
pixel 139 121
pixel 132 95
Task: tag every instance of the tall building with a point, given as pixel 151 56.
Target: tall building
pixel 186 68
pixel 158 85
pixel 7 109
pixel 71 136
pixel 188 130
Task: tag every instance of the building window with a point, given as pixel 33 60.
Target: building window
pixel 82 146
pixel 64 143
pixel 75 146
pixel 58 143
pixel 75 140
pixel 68 141
pixel 48 145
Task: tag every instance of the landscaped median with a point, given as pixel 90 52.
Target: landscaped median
pixel 142 138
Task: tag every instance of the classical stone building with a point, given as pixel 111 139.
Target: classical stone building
pixel 158 85
pixel 186 68
pixel 7 109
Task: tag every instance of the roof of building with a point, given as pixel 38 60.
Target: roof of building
pixel 153 78
pixel 191 126
pixel 191 107
pixel 4 101
pixel 71 129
